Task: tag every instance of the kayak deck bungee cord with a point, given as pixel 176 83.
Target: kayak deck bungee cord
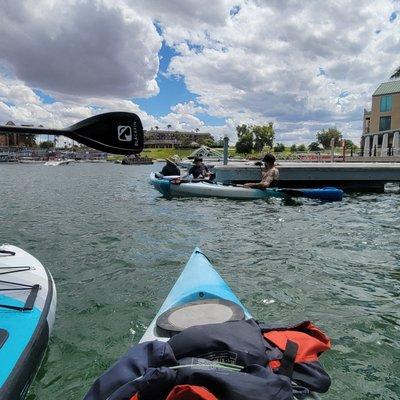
pixel 27 313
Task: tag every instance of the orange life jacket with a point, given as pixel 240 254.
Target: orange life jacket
pixel 186 392
pixel 310 340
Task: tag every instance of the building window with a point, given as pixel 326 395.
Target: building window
pixel 386 103
pixel 384 123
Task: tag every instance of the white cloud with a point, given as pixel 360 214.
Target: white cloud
pixel 302 65
pixel 82 48
pixel 187 108
pixel 269 56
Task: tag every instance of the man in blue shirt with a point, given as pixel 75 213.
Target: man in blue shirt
pixel 199 170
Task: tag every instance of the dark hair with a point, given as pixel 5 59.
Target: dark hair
pixel 269 159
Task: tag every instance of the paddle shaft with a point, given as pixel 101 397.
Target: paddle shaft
pixel 32 130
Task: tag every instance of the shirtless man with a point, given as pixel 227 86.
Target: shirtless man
pixel 269 174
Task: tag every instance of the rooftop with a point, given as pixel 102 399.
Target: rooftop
pixel 390 87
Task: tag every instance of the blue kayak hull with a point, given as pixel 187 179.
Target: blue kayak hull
pixel 198 281
pixel 208 189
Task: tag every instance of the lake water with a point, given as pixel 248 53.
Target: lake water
pixel 115 248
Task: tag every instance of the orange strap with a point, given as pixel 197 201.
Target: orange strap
pixel 135 397
pixel 189 392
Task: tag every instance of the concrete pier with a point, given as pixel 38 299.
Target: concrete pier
pixel 396 144
pixel 367 147
pixel 347 176
pixel 375 145
pixel 385 144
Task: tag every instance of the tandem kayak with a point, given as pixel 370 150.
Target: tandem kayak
pixel 169 189
pixel 27 313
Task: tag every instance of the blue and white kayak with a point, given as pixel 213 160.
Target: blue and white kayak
pixel 199 296
pixel 169 189
pixel 27 313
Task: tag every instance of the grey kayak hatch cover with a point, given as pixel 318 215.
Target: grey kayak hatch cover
pixel 200 312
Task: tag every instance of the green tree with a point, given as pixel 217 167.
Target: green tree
pixel 263 136
pixel 242 130
pixel 301 147
pixel 279 148
pixel 207 142
pixel 313 146
pixel 219 142
pixel 396 74
pixel 46 145
pixel 350 145
pixel 293 148
pixel 28 140
pixel 245 143
pixel 185 141
pixel 324 137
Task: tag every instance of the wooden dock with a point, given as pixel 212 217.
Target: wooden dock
pixel 347 176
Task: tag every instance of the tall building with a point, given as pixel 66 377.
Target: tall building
pixel 381 125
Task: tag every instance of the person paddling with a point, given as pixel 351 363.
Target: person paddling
pixel 199 170
pixel 270 174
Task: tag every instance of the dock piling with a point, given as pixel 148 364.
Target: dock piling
pixel 226 148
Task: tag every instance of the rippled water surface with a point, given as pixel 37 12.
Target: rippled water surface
pixel 115 248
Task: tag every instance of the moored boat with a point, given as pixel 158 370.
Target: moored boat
pixel 210 156
pixel 27 313
pixel 178 188
pixel 58 162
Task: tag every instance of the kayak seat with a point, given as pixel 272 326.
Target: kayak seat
pixel 200 312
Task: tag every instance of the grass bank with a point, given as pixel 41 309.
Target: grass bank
pixel 182 153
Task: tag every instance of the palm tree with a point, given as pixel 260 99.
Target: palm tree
pixel 157 127
pixel 169 126
pixel 396 74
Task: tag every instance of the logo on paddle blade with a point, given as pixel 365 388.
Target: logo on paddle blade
pixel 124 133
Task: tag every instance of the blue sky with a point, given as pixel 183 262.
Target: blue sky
pixel 173 90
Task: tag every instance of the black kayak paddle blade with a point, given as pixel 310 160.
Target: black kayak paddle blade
pixel 114 132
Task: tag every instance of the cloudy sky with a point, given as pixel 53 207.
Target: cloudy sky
pixel 192 64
